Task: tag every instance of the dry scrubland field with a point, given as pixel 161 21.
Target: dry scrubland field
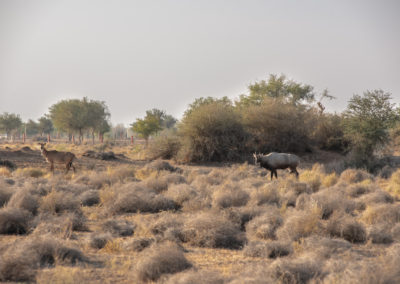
pixel 131 221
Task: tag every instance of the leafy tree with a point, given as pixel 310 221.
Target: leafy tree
pixel 278 87
pixel 96 116
pixel 279 126
pixel 212 131
pixel 10 122
pixel 32 127
pixel 102 128
pixel 45 126
pixel 160 114
pixel 147 126
pixel 328 132
pixel 168 121
pixel 205 101
pixel 78 115
pixel 68 116
pixel 366 124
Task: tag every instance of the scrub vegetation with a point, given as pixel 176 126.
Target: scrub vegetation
pixel 129 221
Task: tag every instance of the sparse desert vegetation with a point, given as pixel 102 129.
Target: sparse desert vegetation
pixel 131 221
pixel 188 203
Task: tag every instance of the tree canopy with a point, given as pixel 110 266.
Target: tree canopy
pixel 32 127
pixel 367 120
pixel 9 122
pixel 154 121
pixel 278 87
pixel 78 115
pixel 45 126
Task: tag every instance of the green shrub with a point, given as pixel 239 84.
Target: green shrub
pixel 163 147
pixel 367 121
pixel 278 126
pixel 328 133
pixel 212 132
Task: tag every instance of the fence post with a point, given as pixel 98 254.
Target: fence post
pixel 23 137
pixel 132 140
pixel 48 138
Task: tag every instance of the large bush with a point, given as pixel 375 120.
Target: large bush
pixel 275 125
pixel 328 133
pixel 165 146
pixel 212 131
pixel 368 119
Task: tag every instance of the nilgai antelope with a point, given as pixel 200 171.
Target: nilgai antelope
pixel 274 161
pixel 54 156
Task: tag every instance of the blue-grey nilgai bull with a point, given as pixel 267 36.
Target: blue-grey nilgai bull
pixel 274 161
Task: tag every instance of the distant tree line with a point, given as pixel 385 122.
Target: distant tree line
pixel 76 116
pixel 276 114
pixel 282 115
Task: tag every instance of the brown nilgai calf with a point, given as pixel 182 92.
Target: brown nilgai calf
pixel 57 157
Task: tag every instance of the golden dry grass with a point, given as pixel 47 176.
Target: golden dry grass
pixel 285 211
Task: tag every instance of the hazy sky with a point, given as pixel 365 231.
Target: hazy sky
pixel 138 55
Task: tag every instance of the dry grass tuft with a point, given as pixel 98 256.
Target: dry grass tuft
pixel 98 241
pixel 381 214
pixel 212 230
pixel 264 226
pixel 14 221
pixel 229 195
pixel 300 224
pixel 329 201
pixel 156 183
pixel 167 227
pixel 242 215
pixel 380 234
pixel 379 196
pixel 272 249
pixel 16 269
pixel 255 274
pixel 138 244
pixel 354 176
pixel 30 172
pixel 134 197
pixel 196 277
pixel 369 272
pixel 119 227
pixel 5 193
pixel 268 194
pixel 395 232
pixel 358 189
pixel 181 193
pixel 90 198
pixel 160 165
pixel 394 184
pixel 322 246
pixel 312 178
pixel 5 172
pixel 347 228
pixel 59 202
pixel 214 177
pixel 296 270
pixel 121 173
pixel 160 182
pixel 21 260
pixel 160 260
pixel 330 180
pixel 23 199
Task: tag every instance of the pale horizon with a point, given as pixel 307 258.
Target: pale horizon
pixel 139 55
